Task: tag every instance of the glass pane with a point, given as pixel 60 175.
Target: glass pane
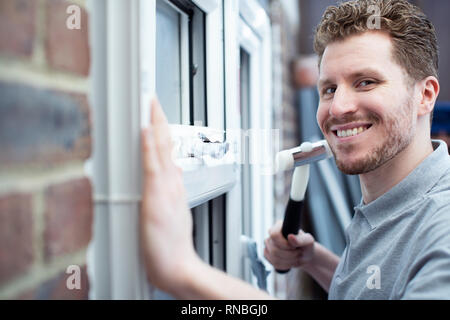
pixel 168 60
pixel 199 75
pixel 217 217
pixel 201 231
pixel 244 92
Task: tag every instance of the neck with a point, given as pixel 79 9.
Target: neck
pixel 379 181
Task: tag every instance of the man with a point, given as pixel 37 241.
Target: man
pixel 377 91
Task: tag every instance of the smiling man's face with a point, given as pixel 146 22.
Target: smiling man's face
pixel 366 109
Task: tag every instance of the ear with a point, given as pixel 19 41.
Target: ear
pixel 429 90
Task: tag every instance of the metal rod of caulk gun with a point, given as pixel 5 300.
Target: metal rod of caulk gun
pixel 300 158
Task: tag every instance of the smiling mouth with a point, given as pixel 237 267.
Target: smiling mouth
pixel 351 132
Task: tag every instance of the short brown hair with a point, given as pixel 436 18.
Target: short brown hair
pixel 413 35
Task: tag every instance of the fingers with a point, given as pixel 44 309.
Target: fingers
pixel 302 239
pixel 280 264
pixel 277 238
pixel 150 160
pixel 286 253
pixel 163 138
pixel 293 241
pixel 156 141
pixel 276 227
pixel 277 252
pixel 281 259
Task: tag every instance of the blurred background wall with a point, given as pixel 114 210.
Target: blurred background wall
pixel 45 198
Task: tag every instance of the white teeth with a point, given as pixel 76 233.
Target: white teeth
pixel 350 132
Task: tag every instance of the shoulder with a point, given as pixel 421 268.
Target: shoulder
pixel 432 220
pixel 444 180
pixel 434 228
pixel 429 268
pixel 438 197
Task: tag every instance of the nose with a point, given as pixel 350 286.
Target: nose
pixel 343 103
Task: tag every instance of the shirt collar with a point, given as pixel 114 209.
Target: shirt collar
pixel 410 189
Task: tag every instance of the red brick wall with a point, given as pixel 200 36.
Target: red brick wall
pixel 46 207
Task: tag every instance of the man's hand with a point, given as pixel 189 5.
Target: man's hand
pixel 284 254
pixel 165 220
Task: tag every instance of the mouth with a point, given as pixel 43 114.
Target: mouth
pixel 350 130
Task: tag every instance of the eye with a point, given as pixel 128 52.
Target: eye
pixel 365 83
pixel 329 90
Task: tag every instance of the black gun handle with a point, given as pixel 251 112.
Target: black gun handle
pixel 291 222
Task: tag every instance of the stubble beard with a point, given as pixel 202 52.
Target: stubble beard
pixel 398 133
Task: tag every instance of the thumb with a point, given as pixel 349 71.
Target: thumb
pixel 301 239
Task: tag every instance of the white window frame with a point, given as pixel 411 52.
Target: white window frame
pixel 233 124
pixel 248 26
pixel 116 268
pixel 123 83
pixel 220 178
pixel 255 38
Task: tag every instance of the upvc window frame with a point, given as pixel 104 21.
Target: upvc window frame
pixel 114 257
pixel 255 39
pixel 224 176
pixel 123 85
pixel 248 15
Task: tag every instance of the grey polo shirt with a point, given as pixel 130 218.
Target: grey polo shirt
pixel 398 246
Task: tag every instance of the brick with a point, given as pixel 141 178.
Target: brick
pixel 16 234
pixel 68 217
pixel 17 26
pixel 67 49
pixel 40 126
